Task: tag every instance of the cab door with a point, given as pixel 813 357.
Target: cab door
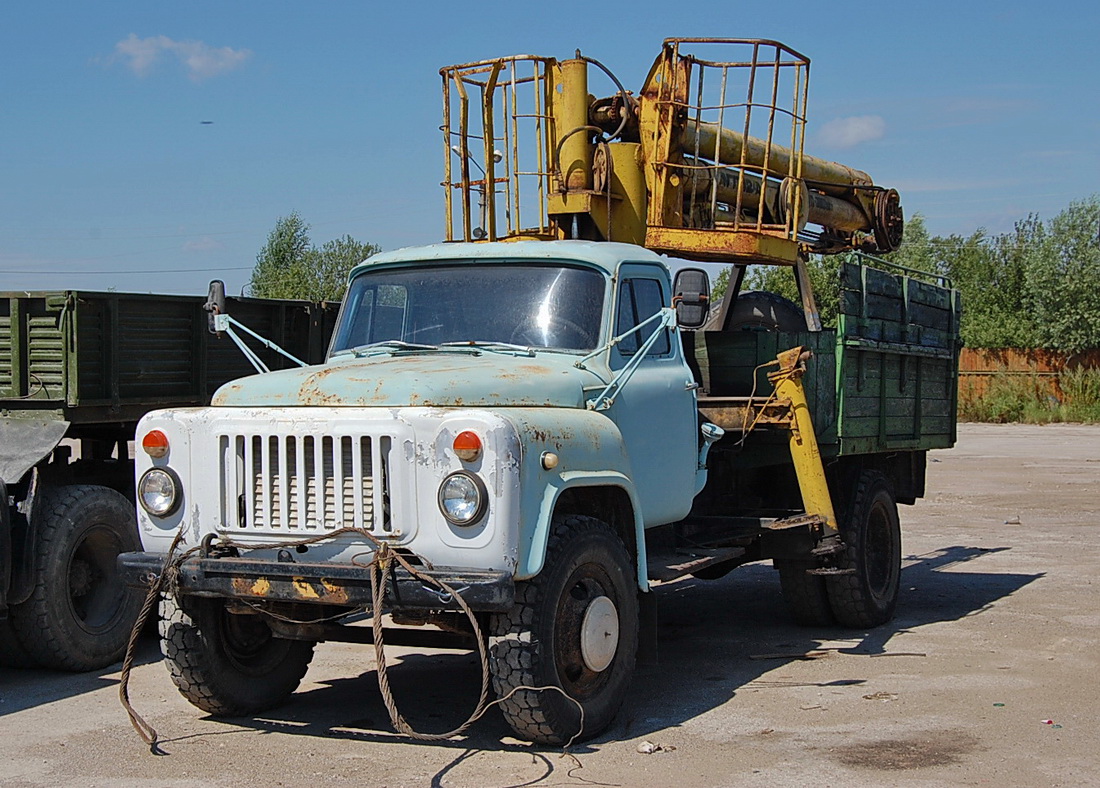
pixel 656 410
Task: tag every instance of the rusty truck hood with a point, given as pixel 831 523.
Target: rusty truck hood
pixel 437 379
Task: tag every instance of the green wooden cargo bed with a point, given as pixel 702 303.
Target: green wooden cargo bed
pixel 884 380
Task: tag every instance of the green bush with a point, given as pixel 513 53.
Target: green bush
pixel 1081 394
pixel 1029 398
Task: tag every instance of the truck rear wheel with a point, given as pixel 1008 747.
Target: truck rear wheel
pixel 806 594
pixel 12 653
pixel 872 534
pixel 575 627
pixel 228 664
pixel 80 614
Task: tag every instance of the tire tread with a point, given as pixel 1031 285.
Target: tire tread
pixel 198 679
pixel 511 647
pixel 849 600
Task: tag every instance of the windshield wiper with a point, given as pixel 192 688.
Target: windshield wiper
pixel 392 345
pixel 492 345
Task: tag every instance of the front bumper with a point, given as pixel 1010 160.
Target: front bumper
pixel 345 585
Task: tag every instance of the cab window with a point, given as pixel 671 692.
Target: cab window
pixel 640 299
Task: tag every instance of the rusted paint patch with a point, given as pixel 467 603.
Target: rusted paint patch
pixel 440 380
pixel 304 589
pixel 334 593
pixel 244 586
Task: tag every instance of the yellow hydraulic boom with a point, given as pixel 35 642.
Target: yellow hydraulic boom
pixel 705 162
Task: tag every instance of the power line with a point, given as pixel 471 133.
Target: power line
pixel 138 271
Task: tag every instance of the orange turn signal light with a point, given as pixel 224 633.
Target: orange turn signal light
pixel 467 446
pixel 155 444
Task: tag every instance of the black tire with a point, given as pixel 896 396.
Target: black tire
pixel 12 653
pixel 538 642
pixel 759 310
pixel 80 614
pixel 872 534
pixel 805 593
pixel 230 665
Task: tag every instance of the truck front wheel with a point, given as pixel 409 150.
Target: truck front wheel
pixel 872 534
pixel 228 664
pixel 80 613
pixel 573 627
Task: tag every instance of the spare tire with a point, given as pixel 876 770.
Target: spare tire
pixel 759 310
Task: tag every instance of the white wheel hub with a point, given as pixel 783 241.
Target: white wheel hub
pixel 599 634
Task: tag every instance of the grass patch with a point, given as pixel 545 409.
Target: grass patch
pixel 1030 398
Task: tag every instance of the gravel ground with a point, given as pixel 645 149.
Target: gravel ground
pixel 987 676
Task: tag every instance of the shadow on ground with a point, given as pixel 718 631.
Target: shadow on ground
pixel 707 632
pixel 28 687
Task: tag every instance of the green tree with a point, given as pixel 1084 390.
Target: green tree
pixel 290 266
pixel 721 284
pixel 1062 271
pixel 281 264
pixel 918 249
pixel 990 273
pixel 334 260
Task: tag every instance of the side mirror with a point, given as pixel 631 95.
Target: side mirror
pixel 215 303
pixel 691 297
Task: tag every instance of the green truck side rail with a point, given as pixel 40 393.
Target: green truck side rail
pixel 97 357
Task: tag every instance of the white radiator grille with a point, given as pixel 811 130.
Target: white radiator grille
pixel 302 484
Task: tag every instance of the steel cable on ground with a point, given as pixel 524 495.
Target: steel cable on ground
pixel 380 570
pixel 146 731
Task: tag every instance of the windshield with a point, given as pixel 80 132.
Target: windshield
pixel 548 306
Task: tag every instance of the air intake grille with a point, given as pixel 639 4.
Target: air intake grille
pixel 305 484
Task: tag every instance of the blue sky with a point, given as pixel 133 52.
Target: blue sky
pixel 978 113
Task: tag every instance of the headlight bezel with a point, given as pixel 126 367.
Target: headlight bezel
pixel 173 484
pixel 482 499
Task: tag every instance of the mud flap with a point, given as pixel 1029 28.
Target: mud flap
pixel 24 442
pixel 5 550
pixel 647 628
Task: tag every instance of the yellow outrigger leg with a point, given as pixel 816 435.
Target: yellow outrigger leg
pixel 804 450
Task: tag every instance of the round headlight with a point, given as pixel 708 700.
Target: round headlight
pixel 158 492
pixel 462 498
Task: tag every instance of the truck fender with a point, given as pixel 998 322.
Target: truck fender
pixel 533 554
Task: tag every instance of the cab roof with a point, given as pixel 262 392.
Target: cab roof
pixel 606 255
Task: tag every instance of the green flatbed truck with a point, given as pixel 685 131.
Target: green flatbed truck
pixel 77 371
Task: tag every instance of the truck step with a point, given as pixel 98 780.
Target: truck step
pixel 829 548
pixel 830 571
pixel 666 566
pixel 798 521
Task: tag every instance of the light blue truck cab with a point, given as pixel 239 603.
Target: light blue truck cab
pixel 507 418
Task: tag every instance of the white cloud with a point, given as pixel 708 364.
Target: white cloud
pixel 204 245
pixel 849 132
pixel 201 60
